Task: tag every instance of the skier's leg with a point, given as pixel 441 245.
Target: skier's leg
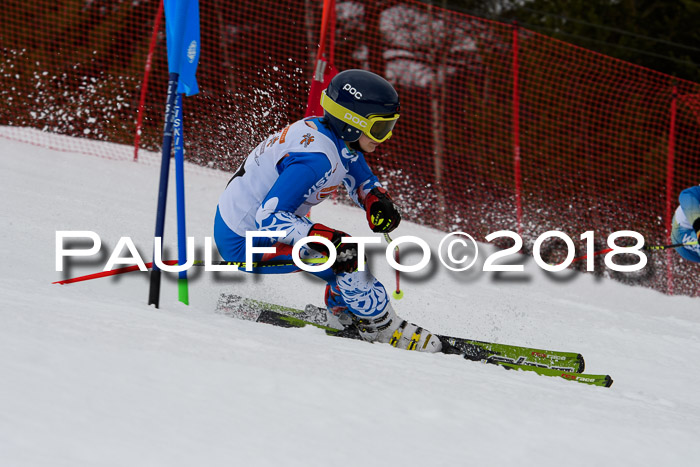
pixel 367 300
pixel 337 314
pixel 350 297
pixel 232 248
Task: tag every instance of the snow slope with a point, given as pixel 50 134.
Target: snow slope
pixel 92 376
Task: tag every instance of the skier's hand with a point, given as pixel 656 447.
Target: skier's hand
pixel 696 227
pixel 383 215
pixel 346 253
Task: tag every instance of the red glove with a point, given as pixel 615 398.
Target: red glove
pixel 346 253
pixel 383 215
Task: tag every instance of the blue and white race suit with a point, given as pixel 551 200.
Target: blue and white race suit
pixel 687 215
pixel 274 190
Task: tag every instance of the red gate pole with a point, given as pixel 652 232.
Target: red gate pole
pixel 670 195
pixel 324 69
pixel 516 133
pixel 144 83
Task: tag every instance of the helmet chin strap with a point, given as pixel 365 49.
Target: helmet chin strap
pixel 355 145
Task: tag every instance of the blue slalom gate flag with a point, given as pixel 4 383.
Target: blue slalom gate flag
pixel 182 34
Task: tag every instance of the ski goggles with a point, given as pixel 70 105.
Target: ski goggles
pixel 377 128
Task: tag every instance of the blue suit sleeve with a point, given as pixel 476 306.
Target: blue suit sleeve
pixel 689 200
pixel 359 180
pixel 298 173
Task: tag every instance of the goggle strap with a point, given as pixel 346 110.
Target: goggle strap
pixel 341 113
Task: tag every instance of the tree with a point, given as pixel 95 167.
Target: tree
pixel 659 34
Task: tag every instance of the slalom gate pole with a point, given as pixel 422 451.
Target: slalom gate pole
pixel 154 287
pixel 178 142
pixel 172 262
pixel 112 272
pixel 601 252
pixel 398 293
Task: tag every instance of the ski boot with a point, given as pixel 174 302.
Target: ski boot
pixel 389 328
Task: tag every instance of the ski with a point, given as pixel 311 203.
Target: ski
pixel 514 355
pixel 567 365
pixel 594 380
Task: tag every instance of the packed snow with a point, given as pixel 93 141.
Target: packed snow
pixel 92 375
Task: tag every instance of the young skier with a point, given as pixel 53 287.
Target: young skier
pixel 300 166
pixel 686 224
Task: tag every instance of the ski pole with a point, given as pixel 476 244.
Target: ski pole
pixel 666 247
pixel 398 293
pixel 646 247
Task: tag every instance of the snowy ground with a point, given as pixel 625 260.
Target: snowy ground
pixel 92 376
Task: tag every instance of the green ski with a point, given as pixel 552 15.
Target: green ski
pixel 567 365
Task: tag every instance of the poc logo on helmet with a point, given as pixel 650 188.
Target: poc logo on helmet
pixel 355 120
pixel 353 91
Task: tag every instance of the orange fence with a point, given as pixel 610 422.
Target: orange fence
pixel 501 127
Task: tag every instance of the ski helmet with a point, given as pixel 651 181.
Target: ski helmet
pixel 359 101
